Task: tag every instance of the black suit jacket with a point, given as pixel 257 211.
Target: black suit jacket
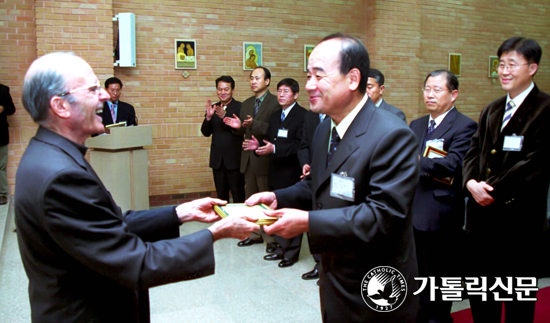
pixel 285 168
pixel 379 152
pixel 438 206
pixel 305 151
pixel 390 108
pixel 225 149
pixel 9 109
pixel 85 260
pixel 125 112
pixel 520 178
pixel 259 165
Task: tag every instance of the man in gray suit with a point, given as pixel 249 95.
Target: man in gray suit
pixel 375 89
pixel 363 176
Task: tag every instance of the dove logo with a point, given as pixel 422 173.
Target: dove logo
pixel 384 289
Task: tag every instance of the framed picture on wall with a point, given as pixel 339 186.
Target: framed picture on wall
pixel 185 53
pixel 252 55
pixel 493 66
pixel 307 52
pixel 455 63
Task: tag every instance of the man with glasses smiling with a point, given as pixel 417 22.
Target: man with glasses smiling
pixel 86 260
pixel 114 110
pixel 438 205
pixel 506 174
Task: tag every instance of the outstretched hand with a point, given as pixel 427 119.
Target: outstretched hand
pixel 201 210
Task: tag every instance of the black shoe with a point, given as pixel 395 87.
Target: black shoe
pixel 271 247
pixel 3 200
pixel 287 262
pixel 314 274
pixel 248 242
pixel 273 257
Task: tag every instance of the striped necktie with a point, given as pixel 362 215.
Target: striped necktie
pixel 431 127
pixel 113 113
pixel 507 114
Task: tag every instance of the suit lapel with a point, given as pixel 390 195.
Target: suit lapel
pixel 494 120
pixel 263 106
pixel 419 128
pixel 348 144
pixel 516 123
pixel 445 125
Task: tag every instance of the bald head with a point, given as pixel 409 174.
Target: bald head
pixel 48 76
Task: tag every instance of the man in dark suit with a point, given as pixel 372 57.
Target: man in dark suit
pixel 281 144
pixel 225 149
pixel 7 108
pixel 506 174
pixel 255 115
pixel 85 260
pixel 375 89
pixel 114 110
pixel 305 152
pixel 362 181
pixel 438 205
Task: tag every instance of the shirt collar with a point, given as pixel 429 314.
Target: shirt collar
pixel 439 118
pixel 287 111
pixel 343 126
pixel 518 100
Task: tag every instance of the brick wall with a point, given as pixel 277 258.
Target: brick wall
pixel 406 39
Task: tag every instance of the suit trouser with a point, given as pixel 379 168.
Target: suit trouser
pixel 501 255
pixel 254 184
pixel 4 191
pixel 289 248
pixel 438 254
pixel 229 180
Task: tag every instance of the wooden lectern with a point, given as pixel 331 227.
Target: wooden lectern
pixel 121 163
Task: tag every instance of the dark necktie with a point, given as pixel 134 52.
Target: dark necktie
pixel 257 106
pixel 507 114
pixel 431 128
pixel 334 141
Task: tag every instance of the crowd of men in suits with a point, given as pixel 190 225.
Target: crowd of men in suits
pixel 437 211
pixel 371 192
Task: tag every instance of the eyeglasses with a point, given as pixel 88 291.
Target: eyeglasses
pixel 436 90
pixel 96 88
pixel 285 92
pixel 510 67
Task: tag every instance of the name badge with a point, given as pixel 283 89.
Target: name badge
pixel 283 133
pixel 512 143
pixel 342 187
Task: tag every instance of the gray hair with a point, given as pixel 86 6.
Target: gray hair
pixel 44 80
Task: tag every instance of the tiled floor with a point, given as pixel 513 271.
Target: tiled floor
pixel 245 288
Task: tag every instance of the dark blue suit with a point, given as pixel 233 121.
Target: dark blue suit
pixel 438 208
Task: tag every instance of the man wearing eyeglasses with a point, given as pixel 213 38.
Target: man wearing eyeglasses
pixel 281 145
pixel 114 110
pixel 438 205
pixel 87 261
pixel 506 175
